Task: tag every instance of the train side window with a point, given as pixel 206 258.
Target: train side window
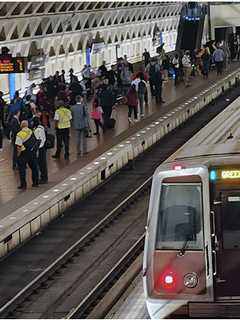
pixel 180 217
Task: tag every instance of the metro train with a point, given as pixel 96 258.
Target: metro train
pixel 191 263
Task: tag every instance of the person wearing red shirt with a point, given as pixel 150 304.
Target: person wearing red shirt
pixel 132 101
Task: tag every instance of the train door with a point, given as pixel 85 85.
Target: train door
pixel 227 244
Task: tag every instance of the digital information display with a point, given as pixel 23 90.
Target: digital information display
pixel 230 174
pixel 12 65
pixel 216 174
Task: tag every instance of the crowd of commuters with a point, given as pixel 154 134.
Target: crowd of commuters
pixel 62 102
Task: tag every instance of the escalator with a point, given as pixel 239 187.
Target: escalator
pixel 191 25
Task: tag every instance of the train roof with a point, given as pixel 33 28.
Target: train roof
pixel 211 154
pixel 218 143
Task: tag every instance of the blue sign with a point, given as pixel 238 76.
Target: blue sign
pixel 12 84
pixel 88 56
pixel 160 38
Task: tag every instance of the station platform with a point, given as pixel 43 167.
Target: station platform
pixel 11 199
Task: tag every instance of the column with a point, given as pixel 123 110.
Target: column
pixel 88 56
pixel 12 84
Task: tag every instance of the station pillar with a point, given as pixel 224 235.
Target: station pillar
pixel 12 84
pixel 88 56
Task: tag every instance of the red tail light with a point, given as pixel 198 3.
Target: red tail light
pixel 178 167
pixel 167 280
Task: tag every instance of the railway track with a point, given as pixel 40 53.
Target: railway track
pixel 50 275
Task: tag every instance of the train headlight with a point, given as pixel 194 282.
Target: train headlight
pixel 190 280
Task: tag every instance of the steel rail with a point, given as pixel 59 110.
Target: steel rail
pixel 99 288
pixel 45 274
pixel 62 259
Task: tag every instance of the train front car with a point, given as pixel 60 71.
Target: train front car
pixel 177 266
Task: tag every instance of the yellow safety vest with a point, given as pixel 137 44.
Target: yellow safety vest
pixel 64 118
pixel 24 135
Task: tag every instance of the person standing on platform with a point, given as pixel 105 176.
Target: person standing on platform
pixel 62 77
pixel 206 58
pixel 187 67
pixel 62 119
pixel 40 134
pixel 30 92
pixel 96 116
pixel 76 89
pixel 107 99
pixel 128 64
pixel 26 147
pixel 151 70
pixel 142 92
pixel 112 76
pixel 103 70
pixel 80 124
pixel 86 74
pixel 218 56
pixel 158 85
pixel 126 79
pixel 176 65
pixel 146 57
pixel 18 101
pixel 132 101
pixel 14 127
pixel 2 123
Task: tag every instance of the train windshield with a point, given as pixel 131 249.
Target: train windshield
pixel 180 217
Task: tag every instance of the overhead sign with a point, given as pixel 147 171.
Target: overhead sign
pixel 230 174
pixel 98 47
pixel 37 62
pixel 36 67
pixel 9 64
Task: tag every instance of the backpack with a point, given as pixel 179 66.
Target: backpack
pixel 142 88
pixel 32 144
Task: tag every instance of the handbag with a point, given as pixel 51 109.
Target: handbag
pixel 95 115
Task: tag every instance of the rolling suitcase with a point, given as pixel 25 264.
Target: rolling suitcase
pixel 111 123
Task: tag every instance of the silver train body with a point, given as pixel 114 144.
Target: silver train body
pixel 191 264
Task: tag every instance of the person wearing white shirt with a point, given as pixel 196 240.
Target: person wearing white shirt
pixel 187 67
pixel 141 88
pixel 136 82
pixel 175 63
pixel 40 134
pixel 30 92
